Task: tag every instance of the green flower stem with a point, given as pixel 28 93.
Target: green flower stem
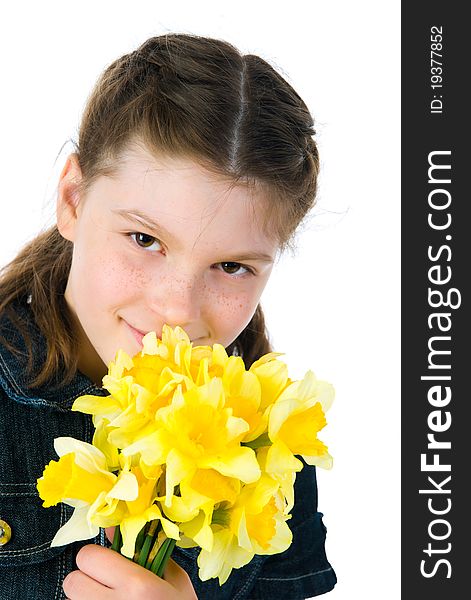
pixel 260 442
pixel 117 539
pixel 140 540
pixel 151 536
pixel 162 556
pixel 153 552
pixel 159 557
pixel 168 554
pixel 222 517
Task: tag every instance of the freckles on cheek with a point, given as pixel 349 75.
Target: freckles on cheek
pixel 115 276
pixel 231 313
pixel 230 304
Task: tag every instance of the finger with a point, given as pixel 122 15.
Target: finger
pixel 105 565
pixel 114 570
pixel 178 578
pixel 77 585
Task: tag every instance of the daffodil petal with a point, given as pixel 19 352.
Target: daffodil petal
pixel 171 530
pixel 279 413
pixel 266 488
pixel 199 530
pixel 122 362
pixel 151 448
pixel 267 358
pixel 225 555
pixel 219 356
pixel 273 377
pixel 92 405
pixel 180 509
pixel 280 542
pixel 74 502
pixel 210 563
pixel 280 459
pixel 130 527
pixel 204 538
pixel 77 528
pixel 101 441
pixel 126 487
pixel 178 467
pixel 236 427
pixel 308 391
pixel 105 512
pixel 193 499
pixel 242 533
pixel 325 461
pixel 325 394
pixel 87 456
pixel 239 462
pixel 149 343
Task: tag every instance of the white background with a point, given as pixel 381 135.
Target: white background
pixel 335 306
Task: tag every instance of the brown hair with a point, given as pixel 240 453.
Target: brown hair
pixel 189 96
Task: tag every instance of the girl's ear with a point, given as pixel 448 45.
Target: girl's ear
pixel 68 197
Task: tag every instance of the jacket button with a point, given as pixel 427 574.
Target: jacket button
pixel 5 533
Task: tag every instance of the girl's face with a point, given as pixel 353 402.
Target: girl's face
pixel 161 241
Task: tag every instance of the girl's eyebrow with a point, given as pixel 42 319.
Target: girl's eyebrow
pixel 251 256
pixel 141 218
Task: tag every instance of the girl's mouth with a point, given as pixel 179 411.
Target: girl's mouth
pixel 138 335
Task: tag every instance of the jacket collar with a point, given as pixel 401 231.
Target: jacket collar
pixel 13 368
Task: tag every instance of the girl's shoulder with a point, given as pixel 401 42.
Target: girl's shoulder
pixel 21 338
pixel 13 349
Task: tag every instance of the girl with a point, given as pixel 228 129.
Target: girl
pixel 194 166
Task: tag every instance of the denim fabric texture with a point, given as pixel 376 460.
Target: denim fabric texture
pixel 30 569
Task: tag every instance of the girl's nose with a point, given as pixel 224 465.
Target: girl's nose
pixel 176 298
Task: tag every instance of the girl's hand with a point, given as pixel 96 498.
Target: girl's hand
pixel 107 575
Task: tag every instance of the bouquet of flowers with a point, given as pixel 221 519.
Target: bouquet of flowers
pixel 192 449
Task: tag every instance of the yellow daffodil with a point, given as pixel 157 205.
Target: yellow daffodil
pixel 119 387
pixel 294 421
pixel 272 375
pixel 285 479
pixel 199 528
pixel 81 479
pixel 243 391
pixel 66 479
pixel 141 510
pixel 256 524
pixel 176 350
pixel 197 432
pixel 258 517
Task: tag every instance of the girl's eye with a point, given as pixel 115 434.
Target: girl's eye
pixel 233 268
pixel 146 241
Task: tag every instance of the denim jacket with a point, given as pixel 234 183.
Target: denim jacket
pixel 31 569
